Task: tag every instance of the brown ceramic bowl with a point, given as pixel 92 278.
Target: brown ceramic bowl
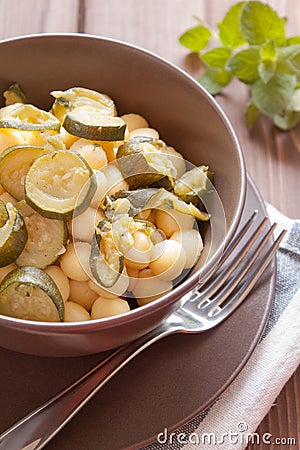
pixel 186 116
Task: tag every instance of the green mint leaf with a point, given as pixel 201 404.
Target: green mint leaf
pixel 216 57
pixel 291 116
pixel 272 97
pixel 259 23
pixel 294 104
pixel 287 120
pixel 196 38
pixel 267 65
pixel 288 58
pixel 266 70
pixel 268 51
pixel 244 65
pixel 229 29
pixel 214 79
pixel 252 115
pixel 293 40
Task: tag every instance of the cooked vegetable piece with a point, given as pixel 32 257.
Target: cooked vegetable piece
pixel 24 209
pixel 60 185
pixel 14 94
pixel 47 240
pixel 169 201
pixel 193 184
pixel 3 213
pixel 29 118
pixel 153 198
pixel 142 162
pixel 31 294
pixel 14 164
pixel 13 233
pixel 90 123
pixel 66 101
pixel 138 199
pixel 106 262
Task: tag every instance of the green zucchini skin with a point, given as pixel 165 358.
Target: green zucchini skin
pixel 13 234
pixel 102 128
pixel 26 283
pixel 136 168
pixel 15 162
pixel 105 272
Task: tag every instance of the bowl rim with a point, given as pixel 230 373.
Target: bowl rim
pixel 192 282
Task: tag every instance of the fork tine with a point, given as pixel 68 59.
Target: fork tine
pixel 240 296
pixel 229 287
pixel 220 279
pixel 238 237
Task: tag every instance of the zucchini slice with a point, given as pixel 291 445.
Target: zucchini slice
pixel 152 198
pixel 24 209
pixel 47 240
pixel 14 164
pixel 31 294
pixel 60 185
pixel 193 184
pixel 29 118
pixel 13 233
pixel 14 94
pixel 106 262
pixel 142 162
pixel 168 201
pixel 90 123
pixel 138 201
pixel 66 101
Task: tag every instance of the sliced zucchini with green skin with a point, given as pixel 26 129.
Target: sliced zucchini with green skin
pixel 47 240
pixel 167 200
pixel 193 184
pixel 138 199
pixel 90 123
pixel 14 94
pixel 31 294
pixel 14 164
pixel 157 143
pixel 24 209
pixel 29 118
pixel 66 101
pixel 142 163
pixel 153 198
pixel 60 185
pixel 13 234
pixel 106 262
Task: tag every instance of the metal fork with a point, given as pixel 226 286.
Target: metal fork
pixel 237 273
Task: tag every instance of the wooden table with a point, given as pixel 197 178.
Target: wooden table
pixel 272 157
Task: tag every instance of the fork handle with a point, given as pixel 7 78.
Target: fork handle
pixel 36 429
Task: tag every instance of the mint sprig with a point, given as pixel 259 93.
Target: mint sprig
pixel 252 46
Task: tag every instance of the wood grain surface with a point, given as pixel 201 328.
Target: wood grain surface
pixel 272 157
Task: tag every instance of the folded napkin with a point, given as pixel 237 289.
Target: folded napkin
pixel 231 421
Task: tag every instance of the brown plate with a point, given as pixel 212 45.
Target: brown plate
pixel 163 388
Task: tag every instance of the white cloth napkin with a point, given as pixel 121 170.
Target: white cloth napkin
pixel 230 423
